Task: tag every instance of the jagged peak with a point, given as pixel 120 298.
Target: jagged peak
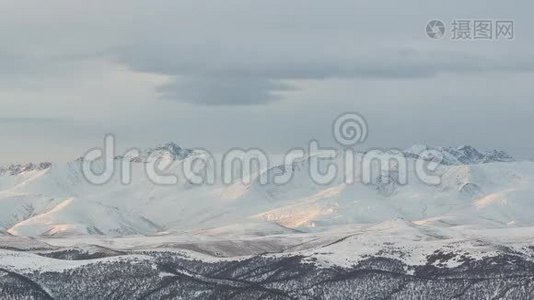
pixel 169 148
pixel 466 148
pixel 465 154
pixel 16 169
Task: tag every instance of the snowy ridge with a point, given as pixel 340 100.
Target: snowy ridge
pixel 167 150
pixel 17 169
pixel 463 155
pixel 55 200
pixel 62 238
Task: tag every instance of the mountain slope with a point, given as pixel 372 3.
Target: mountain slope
pixel 57 200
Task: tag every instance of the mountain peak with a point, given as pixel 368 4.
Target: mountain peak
pixel 17 169
pixel 461 155
pixel 169 149
pixel 468 149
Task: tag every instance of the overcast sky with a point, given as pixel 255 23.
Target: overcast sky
pixel 270 74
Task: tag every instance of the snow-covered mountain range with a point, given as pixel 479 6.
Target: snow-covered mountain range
pixel 467 237
pixel 464 155
pixel 478 188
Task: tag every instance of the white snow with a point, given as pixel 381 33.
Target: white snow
pixel 486 200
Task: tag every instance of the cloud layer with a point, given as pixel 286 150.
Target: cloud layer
pixel 259 73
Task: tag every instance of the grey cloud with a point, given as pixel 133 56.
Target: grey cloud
pixel 280 40
pixel 29 120
pixel 317 62
pixel 269 42
pixel 230 54
pixel 212 76
pixel 223 91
